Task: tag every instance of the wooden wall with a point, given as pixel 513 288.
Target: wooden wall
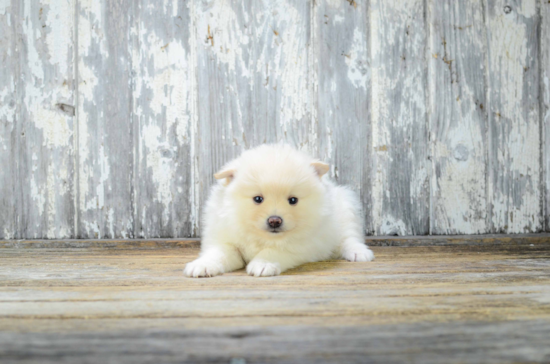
pixel 114 114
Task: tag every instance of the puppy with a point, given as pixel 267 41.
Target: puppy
pixel 272 210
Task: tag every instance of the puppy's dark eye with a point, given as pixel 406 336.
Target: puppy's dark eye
pixel 258 199
pixel 293 200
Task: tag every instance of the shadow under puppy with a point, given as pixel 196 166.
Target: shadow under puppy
pixel 273 210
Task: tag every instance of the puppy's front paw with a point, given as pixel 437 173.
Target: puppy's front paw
pixel 262 268
pixel 202 268
pixel 359 253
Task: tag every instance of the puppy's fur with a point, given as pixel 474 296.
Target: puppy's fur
pixel 324 223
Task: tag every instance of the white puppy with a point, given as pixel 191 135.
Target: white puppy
pixel 271 211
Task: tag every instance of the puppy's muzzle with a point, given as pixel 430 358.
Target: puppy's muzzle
pixel 274 222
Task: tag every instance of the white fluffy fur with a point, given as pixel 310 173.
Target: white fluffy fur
pixel 325 223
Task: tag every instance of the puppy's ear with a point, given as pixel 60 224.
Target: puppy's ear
pixel 228 174
pixel 320 168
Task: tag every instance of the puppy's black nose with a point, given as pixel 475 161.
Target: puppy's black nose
pixel 274 221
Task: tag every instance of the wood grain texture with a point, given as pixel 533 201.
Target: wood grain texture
pixel 282 74
pixel 343 62
pixel 464 303
pixel 385 241
pixel 8 118
pixel 105 128
pixel 473 342
pixel 224 63
pixel 45 118
pixel 458 117
pixel 545 106
pixel 114 115
pixel 401 169
pixel 514 122
pixel 163 102
pixel 253 80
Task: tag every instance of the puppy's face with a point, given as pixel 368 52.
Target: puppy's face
pixel 276 199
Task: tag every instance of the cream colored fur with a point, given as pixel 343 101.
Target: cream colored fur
pixel 325 223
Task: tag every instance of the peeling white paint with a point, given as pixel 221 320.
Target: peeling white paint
pixel 90 28
pixel 295 103
pixel 282 63
pixel 329 143
pixel 337 19
pixel 45 41
pixel 92 229
pixel 88 82
pixel 527 8
pixel 90 37
pixel 169 83
pixel 4 5
pixel 458 208
pixel 111 223
pixel 335 3
pixel 161 168
pixel 104 167
pixel 389 225
pixel 514 182
pixel 33 62
pixel 356 60
pixel 37 194
pixel 51 205
pixel 41 101
pixel 397 103
pixel 279 45
pixel 508 47
pixel 60 23
pixel 8 234
pixel 84 165
pixel 379 105
pixel 163 103
pixel 220 33
pixel 195 183
pixel 54 125
pixel 7 111
pixel 458 180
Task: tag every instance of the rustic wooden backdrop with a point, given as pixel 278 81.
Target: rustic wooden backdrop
pixel 115 114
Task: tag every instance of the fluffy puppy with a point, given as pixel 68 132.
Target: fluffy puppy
pixel 272 210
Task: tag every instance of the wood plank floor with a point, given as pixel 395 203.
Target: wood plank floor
pixel 426 300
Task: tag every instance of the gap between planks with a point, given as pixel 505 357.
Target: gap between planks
pixel 402 241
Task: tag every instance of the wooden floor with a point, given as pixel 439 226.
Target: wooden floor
pixel 429 300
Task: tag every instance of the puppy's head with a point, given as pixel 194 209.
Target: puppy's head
pixel 275 191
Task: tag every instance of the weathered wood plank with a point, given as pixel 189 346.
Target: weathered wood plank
pixel 408 281
pixel 467 303
pixel 151 131
pixel 282 74
pixel 545 106
pixel 110 304
pixel 105 128
pixel 103 244
pixel 253 80
pixel 8 118
pixel 402 241
pixel 458 117
pixel 514 122
pixel 45 118
pixel 163 102
pixel 224 66
pixel 343 72
pixel 522 341
pixel 401 169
